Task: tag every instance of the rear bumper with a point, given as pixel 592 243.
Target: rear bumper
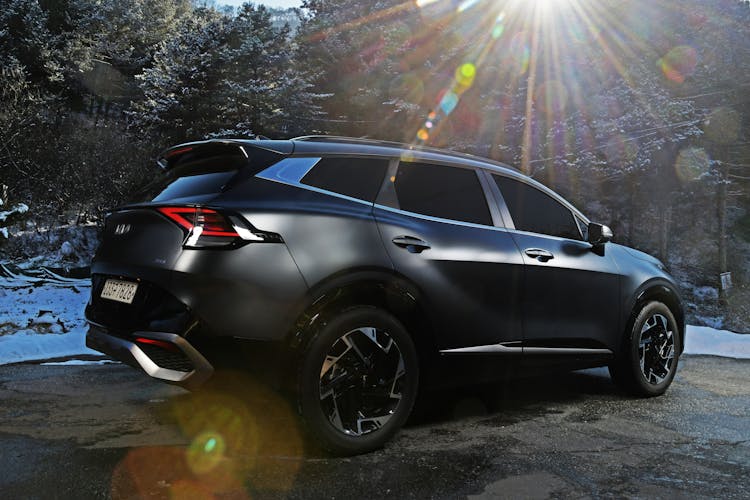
pixel 169 357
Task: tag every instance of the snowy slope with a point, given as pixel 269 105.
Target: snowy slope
pixel 42 318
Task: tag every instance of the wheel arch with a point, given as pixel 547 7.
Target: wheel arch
pixel 662 291
pixel 382 288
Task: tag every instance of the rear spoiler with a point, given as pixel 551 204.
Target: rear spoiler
pixel 201 150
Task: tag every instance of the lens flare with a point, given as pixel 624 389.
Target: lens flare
pixel 449 102
pixel 465 75
pixel 691 164
pixel 205 452
pixel 466 5
pixel 499 28
pixel 679 63
pixel 463 79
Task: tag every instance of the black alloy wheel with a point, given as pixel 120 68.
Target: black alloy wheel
pixel 648 363
pixel 358 380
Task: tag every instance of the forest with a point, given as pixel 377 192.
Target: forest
pixel 638 111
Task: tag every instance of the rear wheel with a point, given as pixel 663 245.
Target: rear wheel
pixel 648 362
pixel 358 380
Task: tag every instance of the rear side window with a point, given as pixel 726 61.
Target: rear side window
pixel 355 177
pixel 440 191
pixel 535 211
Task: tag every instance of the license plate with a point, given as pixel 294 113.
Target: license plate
pixel 121 291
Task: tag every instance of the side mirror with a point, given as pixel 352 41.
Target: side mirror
pixel 599 234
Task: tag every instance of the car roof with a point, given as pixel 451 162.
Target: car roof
pixel 339 145
pixel 319 145
pixel 323 144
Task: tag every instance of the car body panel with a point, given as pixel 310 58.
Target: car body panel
pixel 572 298
pixel 476 288
pixel 470 276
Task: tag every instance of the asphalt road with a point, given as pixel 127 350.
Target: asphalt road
pixel 108 431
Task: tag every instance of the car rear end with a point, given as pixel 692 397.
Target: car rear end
pixel 180 271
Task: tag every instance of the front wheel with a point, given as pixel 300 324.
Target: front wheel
pixel 358 380
pixel 648 362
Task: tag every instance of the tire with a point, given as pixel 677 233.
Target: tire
pixel 358 381
pixel 648 361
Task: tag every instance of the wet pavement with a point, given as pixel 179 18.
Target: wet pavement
pixel 108 431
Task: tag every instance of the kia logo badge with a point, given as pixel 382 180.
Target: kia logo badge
pixel 121 229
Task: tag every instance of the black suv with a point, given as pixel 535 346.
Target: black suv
pixel 373 268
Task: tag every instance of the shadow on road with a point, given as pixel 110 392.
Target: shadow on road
pixel 247 440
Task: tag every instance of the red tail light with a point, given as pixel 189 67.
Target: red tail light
pixel 209 228
pixel 211 221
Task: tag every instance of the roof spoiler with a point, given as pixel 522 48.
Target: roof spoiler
pixel 193 151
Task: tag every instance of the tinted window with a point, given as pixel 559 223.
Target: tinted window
pixel 535 211
pixel 355 177
pixel 439 191
pixel 193 185
pixel 203 172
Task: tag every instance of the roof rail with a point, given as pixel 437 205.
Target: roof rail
pixel 394 144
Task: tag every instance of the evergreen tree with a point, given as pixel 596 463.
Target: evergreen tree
pixel 223 76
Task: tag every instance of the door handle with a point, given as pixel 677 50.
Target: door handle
pixel 410 243
pixel 539 254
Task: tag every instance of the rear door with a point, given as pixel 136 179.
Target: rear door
pixel 441 233
pixel 570 291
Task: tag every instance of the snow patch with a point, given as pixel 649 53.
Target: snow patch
pixel 21 208
pixel 42 317
pixel 80 362
pixel 713 342
pixel 27 345
pixel 66 249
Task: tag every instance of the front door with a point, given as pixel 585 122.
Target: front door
pixel 571 290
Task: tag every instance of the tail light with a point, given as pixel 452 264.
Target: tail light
pixel 209 228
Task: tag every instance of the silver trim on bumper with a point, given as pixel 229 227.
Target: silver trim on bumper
pixel 124 350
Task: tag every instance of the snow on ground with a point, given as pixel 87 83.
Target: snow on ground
pixel 79 362
pixel 41 317
pixel 706 340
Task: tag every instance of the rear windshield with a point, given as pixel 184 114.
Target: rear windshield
pixel 211 175
pixel 181 182
pixel 192 185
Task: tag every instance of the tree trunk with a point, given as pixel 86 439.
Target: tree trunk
pixel 721 209
pixel 665 217
pixel 632 211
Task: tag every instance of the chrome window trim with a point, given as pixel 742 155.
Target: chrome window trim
pixel 280 174
pixel 489 196
pixel 542 235
pixel 497 198
pixel 438 219
pixel 517 350
pixel 289 170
